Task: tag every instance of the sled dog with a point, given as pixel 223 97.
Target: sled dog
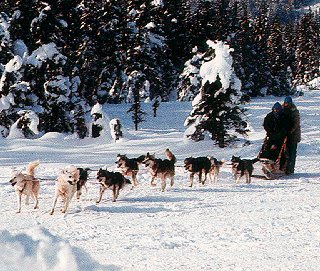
pixel 111 180
pixel 159 168
pixel 197 165
pixel 215 168
pixel 26 184
pixel 83 178
pixel 241 167
pixel 129 167
pixel 66 187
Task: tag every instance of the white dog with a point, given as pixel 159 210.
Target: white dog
pixel 66 187
pixel 26 184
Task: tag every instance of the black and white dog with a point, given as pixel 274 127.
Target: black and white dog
pixel 111 180
pixel 129 166
pixel 242 167
pixel 83 178
pixel 197 165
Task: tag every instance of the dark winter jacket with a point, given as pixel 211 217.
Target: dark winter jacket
pixel 275 127
pixel 292 120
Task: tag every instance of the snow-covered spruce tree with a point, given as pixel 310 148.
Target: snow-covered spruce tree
pixel 89 61
pixel 147 51
pixel 23 13
pixel 111 39
pixel 100 122
pixel 190 79
pixel 136 87
pixel 216 109
pixel 5 41
pixel 14 93
pixel 26 125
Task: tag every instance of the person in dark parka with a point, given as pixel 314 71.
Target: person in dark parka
pixel 274 125
pixel 292 120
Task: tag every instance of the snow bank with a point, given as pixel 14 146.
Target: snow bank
pixel 38 249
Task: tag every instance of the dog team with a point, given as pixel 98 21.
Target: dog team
pixel 72 180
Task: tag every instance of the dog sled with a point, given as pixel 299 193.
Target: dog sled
pixel 273 159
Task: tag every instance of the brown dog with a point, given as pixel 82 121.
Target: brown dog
pixel 128 167
pixel 159 168
pixel 26 184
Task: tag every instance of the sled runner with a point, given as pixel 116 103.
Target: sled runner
pixel 273 159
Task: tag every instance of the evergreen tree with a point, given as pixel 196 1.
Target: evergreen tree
pixel 223 15
pixel 190 79
pixel 111 40
pixel 5 41
pixel 216 109
pixel 307 53
pixel 261 32
pixel 277 59
pixel 245 55
pixel 136 84
pixel 88 61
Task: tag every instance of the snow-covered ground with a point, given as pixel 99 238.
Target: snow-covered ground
pixel 267 225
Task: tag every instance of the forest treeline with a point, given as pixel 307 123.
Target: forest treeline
pixel 60 57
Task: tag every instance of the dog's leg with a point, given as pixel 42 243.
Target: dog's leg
pixel 211 176
pixel 36 201
pixel 200 176
pixel 152 181
pixel 117 191
pixel 79 187
pixel 205 178
pixel 102 189
pixel 35 194
pixel 19 195
pixel 134 178
pixel 237 177
pixel 54 204
pixel 172 180
pixel 215 177
pixel 78 194
pixel 27 199
pixel 114 193
pixel 66 205
pixel 248 178
pixel 163 183
pixel 191 179
pixel 36 205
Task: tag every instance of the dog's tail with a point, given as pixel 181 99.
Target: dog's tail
pixel 170 156
pixel 31 167
pixel 220 163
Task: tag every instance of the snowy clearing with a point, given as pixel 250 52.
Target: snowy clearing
pixel 267 225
